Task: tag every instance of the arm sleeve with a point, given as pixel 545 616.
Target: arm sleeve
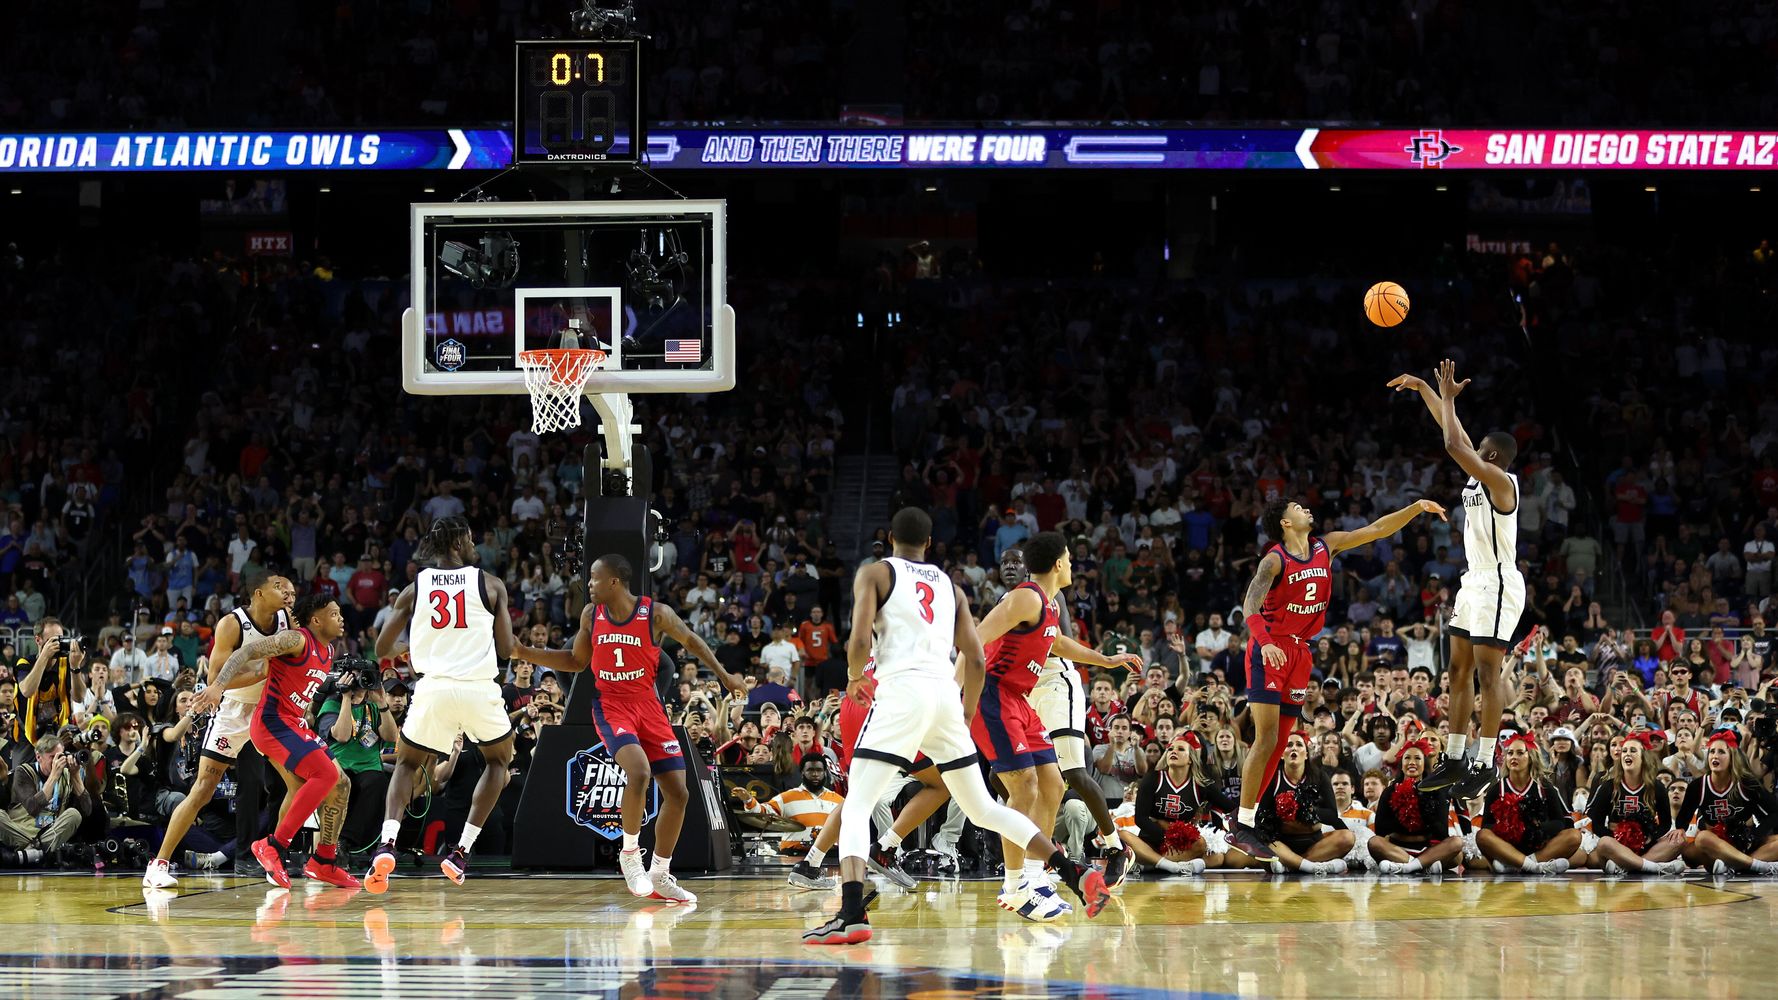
pixel 1145 797
pixel 1386 822
pixel 1599 807
pixel 1663 816
pixel 1688 809
pixel 1326 814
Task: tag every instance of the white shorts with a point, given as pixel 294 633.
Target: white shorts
pixel 1487 608
pixel 915 714
pixel 227 732
pixel 1061 702
pixel 443 707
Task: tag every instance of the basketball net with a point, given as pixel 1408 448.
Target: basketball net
pixel 555 379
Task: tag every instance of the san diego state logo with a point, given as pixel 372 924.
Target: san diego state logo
pixel 596 793
pixel 1429 149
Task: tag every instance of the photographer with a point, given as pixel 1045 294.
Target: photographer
pixel 49 799
pixel 359 726
pixel 55 681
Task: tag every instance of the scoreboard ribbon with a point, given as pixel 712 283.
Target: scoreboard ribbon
pixel 786 147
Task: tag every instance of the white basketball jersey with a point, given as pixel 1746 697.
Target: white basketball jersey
pixel 452 631
pixel 917 623
pixel 1490 538
pixel 249 695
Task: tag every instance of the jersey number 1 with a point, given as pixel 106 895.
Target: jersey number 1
pixel 441 610
pixel 926 595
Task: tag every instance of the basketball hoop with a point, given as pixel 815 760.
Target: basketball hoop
pixel 555 379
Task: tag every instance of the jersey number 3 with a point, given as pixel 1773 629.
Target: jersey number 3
pixel 442 612
pixel 926 595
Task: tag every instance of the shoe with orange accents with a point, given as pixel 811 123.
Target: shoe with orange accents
pixel 377 879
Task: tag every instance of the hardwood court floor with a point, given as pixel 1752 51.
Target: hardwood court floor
pixel 1483 936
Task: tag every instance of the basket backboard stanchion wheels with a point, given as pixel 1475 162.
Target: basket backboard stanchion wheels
pixel 555 379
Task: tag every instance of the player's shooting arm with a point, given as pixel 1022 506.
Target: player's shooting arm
pixel 1077 652
pixel 1457 443
pixel 1428 395
pixel 969 650
pixel 400 613
pixel 1383 527
pixel 668 623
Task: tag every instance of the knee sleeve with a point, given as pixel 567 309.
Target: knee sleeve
pixel 972 797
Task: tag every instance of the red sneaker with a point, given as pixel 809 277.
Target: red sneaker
pixel 331 873
pixel 272 860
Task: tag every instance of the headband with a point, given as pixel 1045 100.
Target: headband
pixel 1527 738
pixel 1725 736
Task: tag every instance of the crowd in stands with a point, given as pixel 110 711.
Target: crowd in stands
pixel 186 64
pixel 1081 408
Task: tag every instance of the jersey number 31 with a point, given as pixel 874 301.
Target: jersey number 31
pixel 442 611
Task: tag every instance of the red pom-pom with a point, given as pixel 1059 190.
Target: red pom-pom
pixel 1287 806
pixel 1631 836
pixel 1181 837
pixel 1507 822
pixel 1405 800
pixel 1720 829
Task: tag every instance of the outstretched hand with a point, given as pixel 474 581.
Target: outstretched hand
pixel 1448 386
pixel 1429 507
pixel 1407 383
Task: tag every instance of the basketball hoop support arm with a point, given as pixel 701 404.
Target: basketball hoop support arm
pixel 615 423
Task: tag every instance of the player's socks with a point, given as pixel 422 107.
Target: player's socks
pixel 889 841
pixel 851 900
pixel 391 830
pixel 1764 868
pixel 633 841
pixel 1247 816
pixel 1033 872
pixel 815 857
pixel 1455 745
pixel 1484 750
pixel 1014 878
pixel 661 863
pixel 326 853
pixel 467 841
pixel 1529 864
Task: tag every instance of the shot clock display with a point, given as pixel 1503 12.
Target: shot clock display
pixel 578 102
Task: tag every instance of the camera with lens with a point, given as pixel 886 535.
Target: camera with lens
pixel 1765 728
pixel 66 642
pixel 78 741
pixel 356 673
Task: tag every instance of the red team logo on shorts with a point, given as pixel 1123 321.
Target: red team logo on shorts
pixel 222 743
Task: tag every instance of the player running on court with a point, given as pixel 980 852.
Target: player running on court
pixel 911 611
pixel 266 613
pixel 457 643
pixel 1491 594
pixel 1019 635
pixel 619 640
pixel 1285 608
pixel 297 660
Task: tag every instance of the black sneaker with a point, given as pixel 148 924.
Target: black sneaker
pixel 840 930
pixel 1449 771
pixel 806 876
pixel 883 861
pixel 1118 862
pixel 1248 841
pixel 1475 781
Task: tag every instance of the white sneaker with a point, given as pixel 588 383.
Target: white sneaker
pixel 1611 868
pixel 1041 904
pixel 1395 867
pixel 635 875
pixel 1335 867
pixel 159 875
pixel 1554 866
pixel 1671 868
pixel 667 887
pixel 1721 869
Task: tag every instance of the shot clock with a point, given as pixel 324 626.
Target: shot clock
pixel 578 102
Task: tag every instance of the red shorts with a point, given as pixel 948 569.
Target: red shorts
pixel 1285 685
pixel 1008 732
pixel 283 742
pixel 636 722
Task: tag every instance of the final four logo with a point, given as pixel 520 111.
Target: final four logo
pixel 1429 149
pixel 596 793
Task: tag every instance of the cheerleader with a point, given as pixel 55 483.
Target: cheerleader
pixel 1525 816
pixel 1171 803
pixel 1633 817
pixel 1729 813
pixel 1413 827
pixel 1298 817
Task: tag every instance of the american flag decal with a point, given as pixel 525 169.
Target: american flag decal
pixel 690 351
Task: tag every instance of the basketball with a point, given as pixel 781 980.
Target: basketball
pixel 1386 303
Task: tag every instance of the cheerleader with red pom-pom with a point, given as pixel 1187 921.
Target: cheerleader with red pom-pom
pixel 1632 816
pixel 1729 814
pixel 1170 802
pixel 1525 823
pixel 1297 816
pixel 1413 826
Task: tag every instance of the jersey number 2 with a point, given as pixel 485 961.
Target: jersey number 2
pixel 1309 592
pixel 926 595
pixel 441 610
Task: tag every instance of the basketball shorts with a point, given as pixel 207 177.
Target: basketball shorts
pixel 851 724
pixel 639 722
pixel 1061 703
pixel 229 730
pixel 914 714
pixel 1285 685
pixel 284 742
pixel 1488 607
pixel 443 707
pixel 1008 732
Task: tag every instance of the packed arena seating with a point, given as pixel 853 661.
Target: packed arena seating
pixel 187 63
pixel 1120 424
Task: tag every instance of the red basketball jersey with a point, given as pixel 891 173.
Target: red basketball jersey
pixel 1296 606
pixel 1016 659
pixel 291 681
pixel 625 654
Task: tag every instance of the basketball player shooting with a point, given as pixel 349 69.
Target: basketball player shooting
pixel 619 640
pixel 1284 610
pixel 910 610
pixel 457 644
pixel 1491 594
